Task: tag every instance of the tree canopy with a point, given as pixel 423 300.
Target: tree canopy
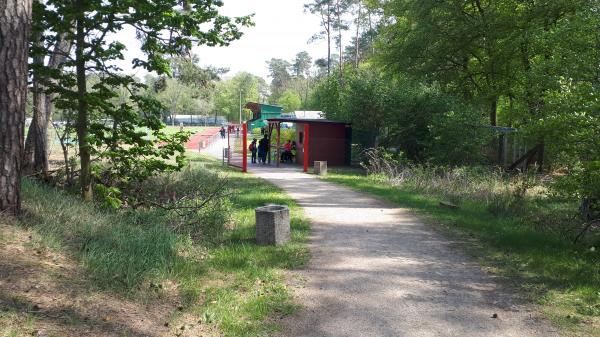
pixel 164 28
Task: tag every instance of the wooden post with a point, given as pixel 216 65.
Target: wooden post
pixel 305 147
pixel 245 147
pixel 269 146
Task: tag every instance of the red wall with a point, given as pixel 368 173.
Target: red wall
pixel 327 142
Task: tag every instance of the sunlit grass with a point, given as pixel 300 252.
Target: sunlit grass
pixel 252 287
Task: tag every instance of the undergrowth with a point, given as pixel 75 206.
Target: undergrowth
pixel 227 281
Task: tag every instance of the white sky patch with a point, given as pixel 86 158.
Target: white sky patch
pixel 281 30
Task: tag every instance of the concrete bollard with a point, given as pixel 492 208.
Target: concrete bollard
pixel 321 168
pixel 272 225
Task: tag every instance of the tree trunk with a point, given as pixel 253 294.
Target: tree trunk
pixel 36 144
pixel 15 27
pixel 339 24
pixel 328 39
pixel 85 177
pixel 28 161
pixel 35 159
pixel 341 54
pixel 356 42
pixel 371 39
pixel 494 112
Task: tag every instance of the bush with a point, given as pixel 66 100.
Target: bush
pixel 456 137
pixel 422 121
pixel 582 183
pixel 502 193
pixel 195 202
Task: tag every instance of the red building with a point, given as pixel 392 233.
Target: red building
pixel 327 140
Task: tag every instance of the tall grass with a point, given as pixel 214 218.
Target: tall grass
pixel 227 281
pixel 526 195
pixel 121 249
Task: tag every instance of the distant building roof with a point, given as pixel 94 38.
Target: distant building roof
pixel 309 121
pixel 501 129
pixel 309 114
pixel 261 107
pixel 271 105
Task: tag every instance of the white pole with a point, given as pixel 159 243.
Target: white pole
pixel 240 106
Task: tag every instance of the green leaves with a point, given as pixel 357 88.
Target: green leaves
pixel 419 120
pixel 227 93
pixel 290 101
pixel 532 65
pixel 111 107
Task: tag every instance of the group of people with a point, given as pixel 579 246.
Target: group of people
pixel 230 129
pixel 261 148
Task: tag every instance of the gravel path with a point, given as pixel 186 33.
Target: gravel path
pixel 376 270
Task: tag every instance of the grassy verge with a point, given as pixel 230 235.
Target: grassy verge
pixel 251 286
pixel 564 279
pixel 232 284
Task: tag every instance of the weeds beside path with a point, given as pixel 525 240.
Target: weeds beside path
pixel 70 268
pixel 562 278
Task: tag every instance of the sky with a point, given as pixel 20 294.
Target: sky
pixel 281 30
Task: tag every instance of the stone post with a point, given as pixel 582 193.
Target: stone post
pixel 272 225
pixel 321 168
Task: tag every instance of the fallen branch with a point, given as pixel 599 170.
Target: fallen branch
pixel 585 229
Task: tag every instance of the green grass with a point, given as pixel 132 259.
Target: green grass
pixel 564 279
pixel 253 287
pixel 120 250
pixel 232 283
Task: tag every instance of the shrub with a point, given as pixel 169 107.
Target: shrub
pixel 501 193
pixel 456 137
pixel 195 202
pixel 583 184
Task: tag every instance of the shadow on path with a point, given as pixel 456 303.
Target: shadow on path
pixel 378 271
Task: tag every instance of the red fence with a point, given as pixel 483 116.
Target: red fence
pixel 203 139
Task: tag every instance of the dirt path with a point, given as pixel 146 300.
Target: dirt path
pixel 376 270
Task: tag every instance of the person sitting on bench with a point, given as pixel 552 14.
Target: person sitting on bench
pixel 293 151
pixel 286 156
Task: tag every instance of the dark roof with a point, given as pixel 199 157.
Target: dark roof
pixel 275 106
pixel 254 105
pixel 309 121
pixel 501 129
